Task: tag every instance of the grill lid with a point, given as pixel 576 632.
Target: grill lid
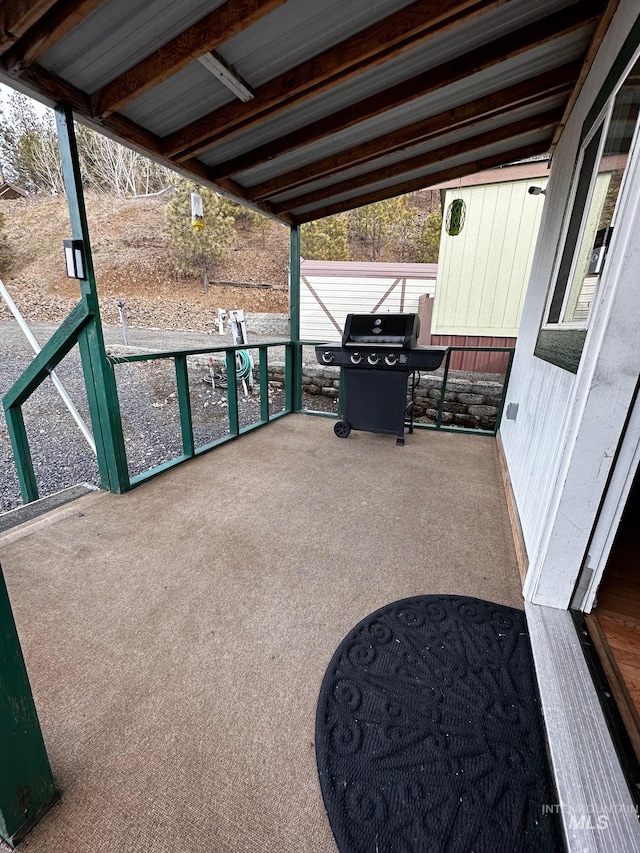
pixel 396 329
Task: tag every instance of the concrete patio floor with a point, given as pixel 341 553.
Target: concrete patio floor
pixel 176 636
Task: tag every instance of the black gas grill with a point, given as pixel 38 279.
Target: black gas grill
pixel 377 355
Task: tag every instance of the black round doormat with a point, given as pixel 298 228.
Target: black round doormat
pixel 429 735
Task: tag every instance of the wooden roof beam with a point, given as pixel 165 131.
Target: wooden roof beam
pixel 378 43
pixel 127 132
pixel 547 29
pixel 538 89
pixel 16 16
pixel 49 29
pixel 510 132
pixel 205 35
pixel 425 182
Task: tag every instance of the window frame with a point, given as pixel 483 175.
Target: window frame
pixel 570 249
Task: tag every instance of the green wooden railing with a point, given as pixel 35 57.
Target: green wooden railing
pixel 189 448
pixel 68 334
pixel 443 388
pixel 59 345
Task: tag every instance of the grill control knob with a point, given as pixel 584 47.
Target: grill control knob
pixel 373 358
pixel 391 359
pixel 356 358
pixel 327 357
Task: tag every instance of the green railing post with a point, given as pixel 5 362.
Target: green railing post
pixel 99 378
pixel 22 454
pixel 232 393
pixel 264 384
pixel 443 387
pixel 505 384
pixel 294 315
pixel 288 377
pixel 184 402
pixel 26 783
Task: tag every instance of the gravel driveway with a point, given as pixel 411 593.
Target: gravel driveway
pixel 148 402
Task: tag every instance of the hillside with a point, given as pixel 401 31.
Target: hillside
pixel 130 254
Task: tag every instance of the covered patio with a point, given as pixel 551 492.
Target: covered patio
pixel 176 636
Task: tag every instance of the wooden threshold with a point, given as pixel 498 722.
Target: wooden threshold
pixel 626 706
pixel 514 516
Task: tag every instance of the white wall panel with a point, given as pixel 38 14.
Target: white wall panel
pixel 568 424
pixel 331 290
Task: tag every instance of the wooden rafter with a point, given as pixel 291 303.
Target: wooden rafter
pixel 520 41
pixel 410 27
pixel 208 33
pixel 16 16
pixel 470 168
pixel 50 28
pixel 594 45
pixel 511 132
pixel 540 89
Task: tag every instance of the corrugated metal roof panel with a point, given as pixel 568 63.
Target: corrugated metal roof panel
pixel 283 39
pixel 256 176
pixel 319 70
pixel 382 183
pixel 186 96
pixel 543 58
pixel 181 99
pixel 383 163
pixel 117 35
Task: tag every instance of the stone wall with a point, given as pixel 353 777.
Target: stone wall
pixel 470 400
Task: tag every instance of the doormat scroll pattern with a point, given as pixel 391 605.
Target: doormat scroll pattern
pixel 429 734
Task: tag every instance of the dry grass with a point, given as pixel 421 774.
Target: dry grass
pixel 130 254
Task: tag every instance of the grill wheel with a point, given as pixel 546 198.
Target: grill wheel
pixel 342 429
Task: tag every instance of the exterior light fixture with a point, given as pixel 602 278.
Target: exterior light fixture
pixel 214 63
pixel 74 258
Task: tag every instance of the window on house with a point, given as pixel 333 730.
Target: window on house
pixel 605 154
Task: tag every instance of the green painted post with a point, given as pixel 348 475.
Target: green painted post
pixel 288 377
pixel 102 394
pixel 232 393
pixel 264 384
pixel 443 391
pixel 22 454
pixel 505 385
pixel 184 402
pixel 294 314
pixel 26 783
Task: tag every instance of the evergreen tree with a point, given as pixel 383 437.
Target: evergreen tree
pixel 197 252
pixel 325 239
pixel 430 238
pixel 6 253
pixel 382 227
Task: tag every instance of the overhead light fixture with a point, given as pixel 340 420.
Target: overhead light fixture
pixel 74 258
pixel 214 63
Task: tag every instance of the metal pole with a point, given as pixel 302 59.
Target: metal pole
pixel 123 322
pixel 66 399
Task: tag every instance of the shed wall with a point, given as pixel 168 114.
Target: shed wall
pixel 329 290
pixel 483 271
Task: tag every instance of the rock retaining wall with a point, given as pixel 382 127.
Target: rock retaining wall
pixel 469 401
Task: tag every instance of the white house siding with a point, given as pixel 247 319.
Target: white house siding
pixel 559 450
pixel 329 290
pixel 483 271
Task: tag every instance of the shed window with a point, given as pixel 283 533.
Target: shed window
pixel 604 158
